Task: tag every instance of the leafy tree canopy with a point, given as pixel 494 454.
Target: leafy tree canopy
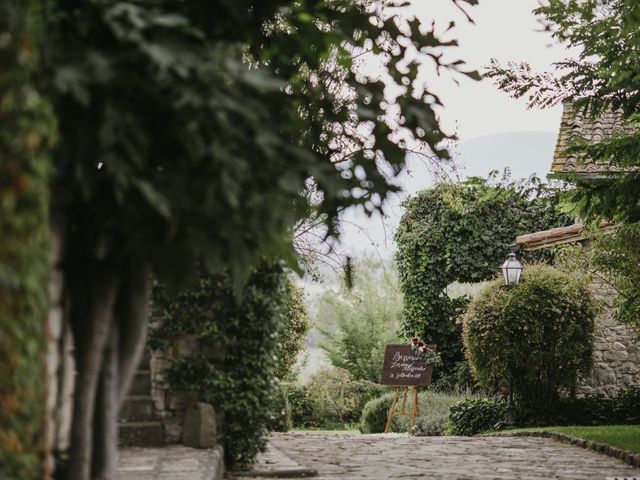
pixel 192 128
pixel 461 232
pixel 605 74
pixel 359 321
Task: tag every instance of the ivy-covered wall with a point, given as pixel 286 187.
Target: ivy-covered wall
pixel 26 133
pixel 461 232
pixel 228 351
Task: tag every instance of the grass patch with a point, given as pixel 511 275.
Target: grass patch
pixel 626 437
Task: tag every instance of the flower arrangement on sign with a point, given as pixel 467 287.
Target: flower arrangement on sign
pixel 431 357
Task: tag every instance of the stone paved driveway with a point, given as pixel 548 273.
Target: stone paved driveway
pixel 352 456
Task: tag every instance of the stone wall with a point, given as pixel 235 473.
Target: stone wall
pixel 172 407
pixel 616 352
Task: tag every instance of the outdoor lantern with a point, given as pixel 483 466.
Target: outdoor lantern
pixel 511 270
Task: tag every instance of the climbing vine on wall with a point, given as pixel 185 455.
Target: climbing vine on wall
pixel 460 232
pixel 27 130
pixel 240 349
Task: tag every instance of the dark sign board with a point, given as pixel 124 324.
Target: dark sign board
pixel 404 366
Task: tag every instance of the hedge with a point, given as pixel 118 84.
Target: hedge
pixel 27 130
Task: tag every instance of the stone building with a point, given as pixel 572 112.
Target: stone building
pixel 616 352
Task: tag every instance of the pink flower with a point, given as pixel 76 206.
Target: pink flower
pixel 423 349
pixel 420 344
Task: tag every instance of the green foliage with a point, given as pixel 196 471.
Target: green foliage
pixel 359 322
pixel 332 399
pixel 280 410
pixel 604 36
pixel 627 405
pixel 27 132
pixel 622 409
pixel 242 384
pixel 599 79
pixel 294 331
pixel 193 129
pixel 537 335
pixel 433 413
pixel 610 259
pixel 461 232
pixel 476 416
pixel 302 405
pixel 460 378
pixel 471 417
pixel 616 257
pixel 374 415
pixel 626 437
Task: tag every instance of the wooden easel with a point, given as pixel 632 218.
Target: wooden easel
pixel 403 412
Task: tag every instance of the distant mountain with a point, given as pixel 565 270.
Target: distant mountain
pixel 524 153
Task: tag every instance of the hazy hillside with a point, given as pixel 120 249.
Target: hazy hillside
pixel 525 153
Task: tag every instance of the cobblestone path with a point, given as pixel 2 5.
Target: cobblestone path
pixel 352 456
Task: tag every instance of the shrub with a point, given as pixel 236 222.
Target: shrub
pixel 374 415
pixel 434 410
pixel 27 131
pixel 476 416
pixel 459 378
pixel 627 405
pixel 470 417
pixel 430 426
pixel 280 420
pixel 294 332
pixel 302 406
pixel 537 335
pixel 433 413
pixel 242 385
pixel 333 399
pixel 592 410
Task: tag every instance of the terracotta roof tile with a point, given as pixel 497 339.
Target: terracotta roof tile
pixel 573 125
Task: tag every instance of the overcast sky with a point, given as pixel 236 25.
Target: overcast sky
pixel 505 30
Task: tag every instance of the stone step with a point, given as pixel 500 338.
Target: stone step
pixel 146 360
pixel 141 434
pixel 141 384
pixel 137 408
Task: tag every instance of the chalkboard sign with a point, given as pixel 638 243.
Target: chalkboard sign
pixel 403 366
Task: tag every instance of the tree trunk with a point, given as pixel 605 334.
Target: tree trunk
pixel 93 291
pixel 109 317
pixel 132 318
pixel 105 433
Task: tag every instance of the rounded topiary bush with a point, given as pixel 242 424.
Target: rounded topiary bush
pixel 471 417
pixel 537 335
pixel 374 414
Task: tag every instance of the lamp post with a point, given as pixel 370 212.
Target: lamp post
pixel 511 271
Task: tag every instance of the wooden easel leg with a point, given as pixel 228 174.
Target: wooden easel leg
pixel 416 407
pixel 404 401
pixel 392 410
